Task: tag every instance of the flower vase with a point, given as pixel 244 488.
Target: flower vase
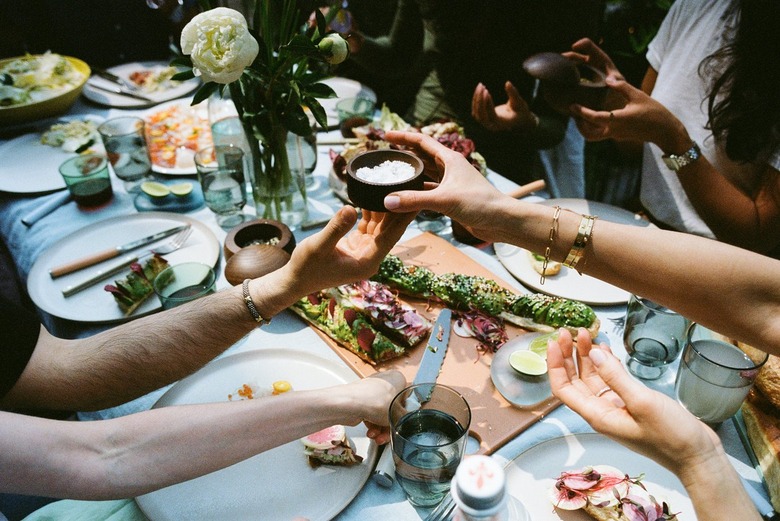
pixel 278 180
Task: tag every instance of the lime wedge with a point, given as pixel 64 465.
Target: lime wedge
pixel 154 189
pixel 181 189
pixel 528 362
pixel 539 344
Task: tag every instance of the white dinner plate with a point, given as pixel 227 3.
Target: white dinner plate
pixel 94 304
pixel 568 283
pixel 344 88
pixel 28 166
pixel 181 118
pixel 124 71
pixel 278 484
pixel 530 475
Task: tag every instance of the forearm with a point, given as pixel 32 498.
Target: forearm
pixel 709 483
pixel 139 453
pixel 682 271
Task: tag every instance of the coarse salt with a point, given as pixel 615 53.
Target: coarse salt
pixel 388 172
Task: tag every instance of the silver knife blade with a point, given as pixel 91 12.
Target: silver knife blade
pixel 113 78
pixel 124 248
pixel 427 372
pixel 122 92
pixel 435 350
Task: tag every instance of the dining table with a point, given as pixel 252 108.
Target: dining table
pixel 27 243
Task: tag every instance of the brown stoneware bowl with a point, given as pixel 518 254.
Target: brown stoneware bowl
pixel 259 231
pixel 370 195
pixel 565 81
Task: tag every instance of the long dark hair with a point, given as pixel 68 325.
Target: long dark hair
pixel 744 93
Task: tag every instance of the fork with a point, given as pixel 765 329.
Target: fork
pixel 444 510
pixel 172 245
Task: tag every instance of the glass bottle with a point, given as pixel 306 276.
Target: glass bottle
pixel 479 492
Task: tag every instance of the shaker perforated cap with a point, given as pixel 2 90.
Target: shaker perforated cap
pixel 479 485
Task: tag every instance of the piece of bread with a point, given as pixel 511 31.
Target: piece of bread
pixel 762 420
pixel 537 263
pixel 768 379
pixel 330 446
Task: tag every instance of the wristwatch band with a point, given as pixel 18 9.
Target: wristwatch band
pixel 675 162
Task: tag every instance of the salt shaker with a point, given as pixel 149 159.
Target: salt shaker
pixel 479 492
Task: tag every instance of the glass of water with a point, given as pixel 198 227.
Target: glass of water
pixel 221 176
pixel 124 139
pixel 429 425
pixel 715 375
pixel 653 337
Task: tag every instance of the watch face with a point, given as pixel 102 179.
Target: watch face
pixel 675 163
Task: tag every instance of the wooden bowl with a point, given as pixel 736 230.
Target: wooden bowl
pixel 254 261
pixel 371 195
pixel 259 231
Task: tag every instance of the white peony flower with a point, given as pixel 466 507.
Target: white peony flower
pixel 220 45
pixel 334 48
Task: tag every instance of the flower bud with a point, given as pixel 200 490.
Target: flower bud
pixel 334 48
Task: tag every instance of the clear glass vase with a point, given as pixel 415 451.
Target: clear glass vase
pixel 278 179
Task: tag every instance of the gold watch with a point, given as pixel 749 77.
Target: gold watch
pixel 675 162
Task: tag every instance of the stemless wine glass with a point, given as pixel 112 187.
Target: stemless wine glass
pixel 653 337
pixel 221 175
pixel 125 141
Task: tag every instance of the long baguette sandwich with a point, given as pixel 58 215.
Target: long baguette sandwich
pixel 366 318
pixel 535 312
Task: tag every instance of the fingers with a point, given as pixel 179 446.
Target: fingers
pixel 409 201
pixel 337 227
pixel 615 376
pixel 513 95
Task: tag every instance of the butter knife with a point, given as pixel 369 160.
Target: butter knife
pixel 122 92
pixel 99 275
pixel 113 78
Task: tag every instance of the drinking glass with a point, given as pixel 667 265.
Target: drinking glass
pixel 87 179
pixel 302 155
pixel 429 425
pixel 125 143
pixel 715 375
pixel 181 283
pixel 221 176
pixel 653 337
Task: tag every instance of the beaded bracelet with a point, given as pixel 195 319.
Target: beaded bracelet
pixel 584 236
pixel 250 305
pixel 548 250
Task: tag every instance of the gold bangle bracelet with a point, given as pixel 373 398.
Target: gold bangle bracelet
pixel 584 236
pixel 548 250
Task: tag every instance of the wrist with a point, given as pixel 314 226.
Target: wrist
pixel 273 293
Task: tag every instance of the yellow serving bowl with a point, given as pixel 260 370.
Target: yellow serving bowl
pixel 48 107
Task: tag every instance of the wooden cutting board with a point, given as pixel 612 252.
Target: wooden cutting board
pixel 494 420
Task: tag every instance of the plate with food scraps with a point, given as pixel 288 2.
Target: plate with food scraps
pixel 94 304
pixel 532 474
pixel 278 484
pixel 568 283
pixel 150 79
pixel 175 131
pixel 30 163
pixel 521 388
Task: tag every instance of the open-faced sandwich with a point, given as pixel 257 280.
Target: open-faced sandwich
pixel 535 312
pixel 366 318
pixel 537 263
pixel 608 494
pixel 131 291
pixel 330 446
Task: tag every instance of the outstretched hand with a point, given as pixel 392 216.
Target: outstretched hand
pixel 615 404
pixel 336 256
pixel 461 193
pixel 514 114
pixel 641 119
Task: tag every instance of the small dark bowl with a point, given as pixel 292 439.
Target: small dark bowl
pixel 254 261
pixel 564 81
pixel 259 231
pixel 370 195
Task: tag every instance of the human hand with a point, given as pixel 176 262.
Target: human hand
pixel 615 404
pixel 461 192
pixel 586 51
pixel 514 114
pixel 333 256
pixel 373 396
pixel 641 119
